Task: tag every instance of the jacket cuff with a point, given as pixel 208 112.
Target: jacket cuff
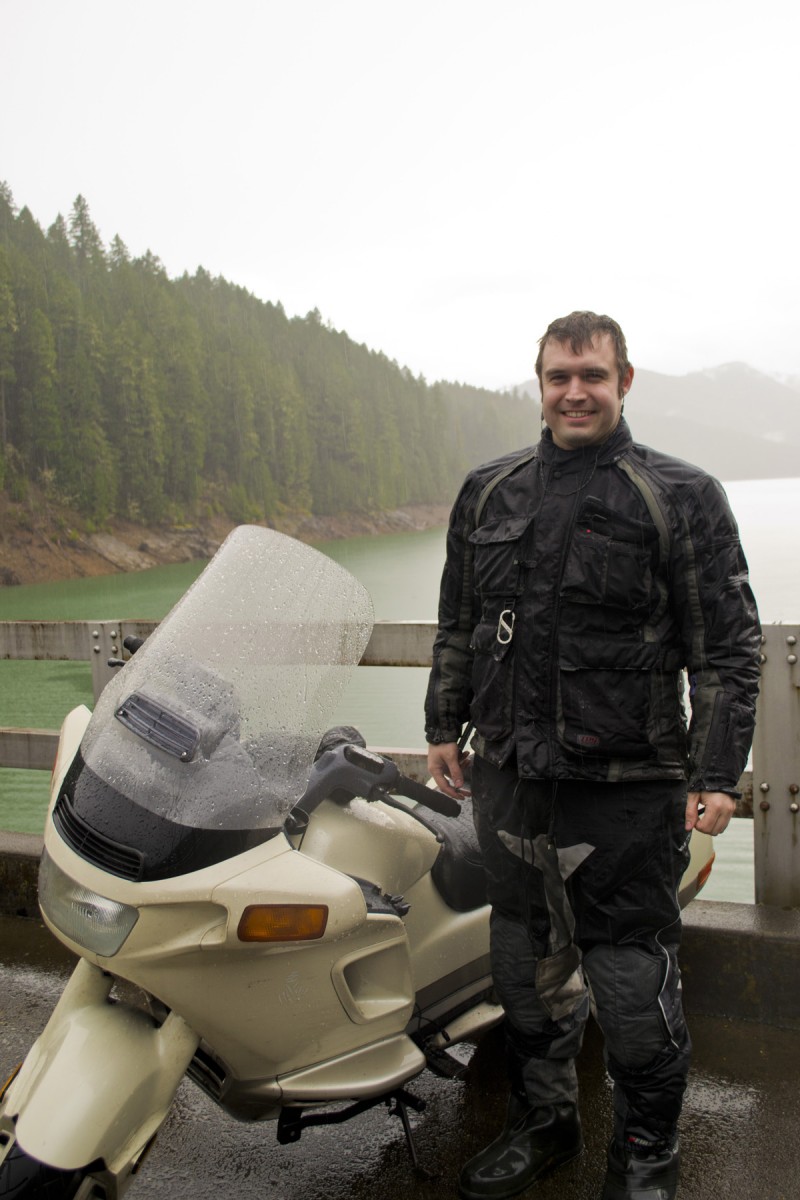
pixel 711 787
pixel 437 737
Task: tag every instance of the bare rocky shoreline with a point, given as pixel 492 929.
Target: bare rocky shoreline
pixel 41 546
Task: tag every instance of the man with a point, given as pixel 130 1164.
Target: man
pixel 582 578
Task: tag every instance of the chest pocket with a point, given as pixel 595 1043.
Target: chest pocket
pixel 496 551
pixel 610 561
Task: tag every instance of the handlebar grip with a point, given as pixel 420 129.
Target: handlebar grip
pixel 431 797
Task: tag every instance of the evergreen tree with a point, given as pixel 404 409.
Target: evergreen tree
pixel 7 213
pixel 118 255
pixel 133 406
pixel 85 240
pixel 37 428
pixel 60 255
pixel 87 470
pixel 8 329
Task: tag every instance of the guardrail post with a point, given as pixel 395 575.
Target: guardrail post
pixel 105 642
pixel 776 771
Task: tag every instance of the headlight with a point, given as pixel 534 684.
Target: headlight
pixel 93 921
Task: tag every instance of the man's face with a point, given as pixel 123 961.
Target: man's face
pixel 582 393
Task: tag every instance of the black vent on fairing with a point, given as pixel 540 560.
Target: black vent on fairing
pixel 96 847
pixel 159 726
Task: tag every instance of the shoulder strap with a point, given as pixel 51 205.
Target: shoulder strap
pixel 489 487
pixel 470 526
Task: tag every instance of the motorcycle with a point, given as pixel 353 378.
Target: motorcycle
pixel 264 906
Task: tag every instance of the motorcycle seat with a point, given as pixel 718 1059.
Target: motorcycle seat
pixel 458 873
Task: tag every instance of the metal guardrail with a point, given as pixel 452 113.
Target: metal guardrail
pixel 772 791
pixel 392 644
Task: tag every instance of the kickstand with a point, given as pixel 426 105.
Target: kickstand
pixel 401 1100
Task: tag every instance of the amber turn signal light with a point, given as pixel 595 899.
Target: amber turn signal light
pixel 282 922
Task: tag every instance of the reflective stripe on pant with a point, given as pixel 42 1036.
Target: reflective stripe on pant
pixel 583 881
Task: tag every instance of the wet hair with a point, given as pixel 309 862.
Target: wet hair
pixel 580 329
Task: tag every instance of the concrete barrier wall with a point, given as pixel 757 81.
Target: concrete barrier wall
pixel 19 869
pixel 742 960
pixel 737 960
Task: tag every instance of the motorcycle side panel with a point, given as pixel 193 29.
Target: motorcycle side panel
pixel 99 1080
pixel 372 1071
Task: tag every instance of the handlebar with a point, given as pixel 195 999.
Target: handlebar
pixel 431 797
pixel 354 771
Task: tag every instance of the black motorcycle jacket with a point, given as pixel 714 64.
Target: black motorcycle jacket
pixel 578 588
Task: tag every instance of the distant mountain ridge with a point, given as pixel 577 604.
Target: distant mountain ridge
pixel 733 420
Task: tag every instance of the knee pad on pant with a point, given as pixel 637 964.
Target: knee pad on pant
pixel 637 1002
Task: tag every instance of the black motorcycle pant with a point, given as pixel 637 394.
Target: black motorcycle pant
pixel 583 881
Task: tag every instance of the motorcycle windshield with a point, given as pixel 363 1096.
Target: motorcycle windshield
pixel 215 722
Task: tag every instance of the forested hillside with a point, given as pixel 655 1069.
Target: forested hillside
pixel 124 393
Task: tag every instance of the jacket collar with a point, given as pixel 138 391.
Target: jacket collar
pixel 609 451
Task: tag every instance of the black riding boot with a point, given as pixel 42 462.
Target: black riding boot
pixel 533 1143
pixel 642 1172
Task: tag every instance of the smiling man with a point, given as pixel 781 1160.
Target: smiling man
pixel 582 390
pixel 583 577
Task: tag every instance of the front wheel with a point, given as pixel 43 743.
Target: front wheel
pixel 25 1178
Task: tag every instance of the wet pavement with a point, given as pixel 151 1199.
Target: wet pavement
pixel 740 1126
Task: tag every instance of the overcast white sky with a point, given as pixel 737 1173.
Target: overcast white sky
pixel 440 178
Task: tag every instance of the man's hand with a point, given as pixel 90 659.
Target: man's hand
pixel 717 810
pixel 444 764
